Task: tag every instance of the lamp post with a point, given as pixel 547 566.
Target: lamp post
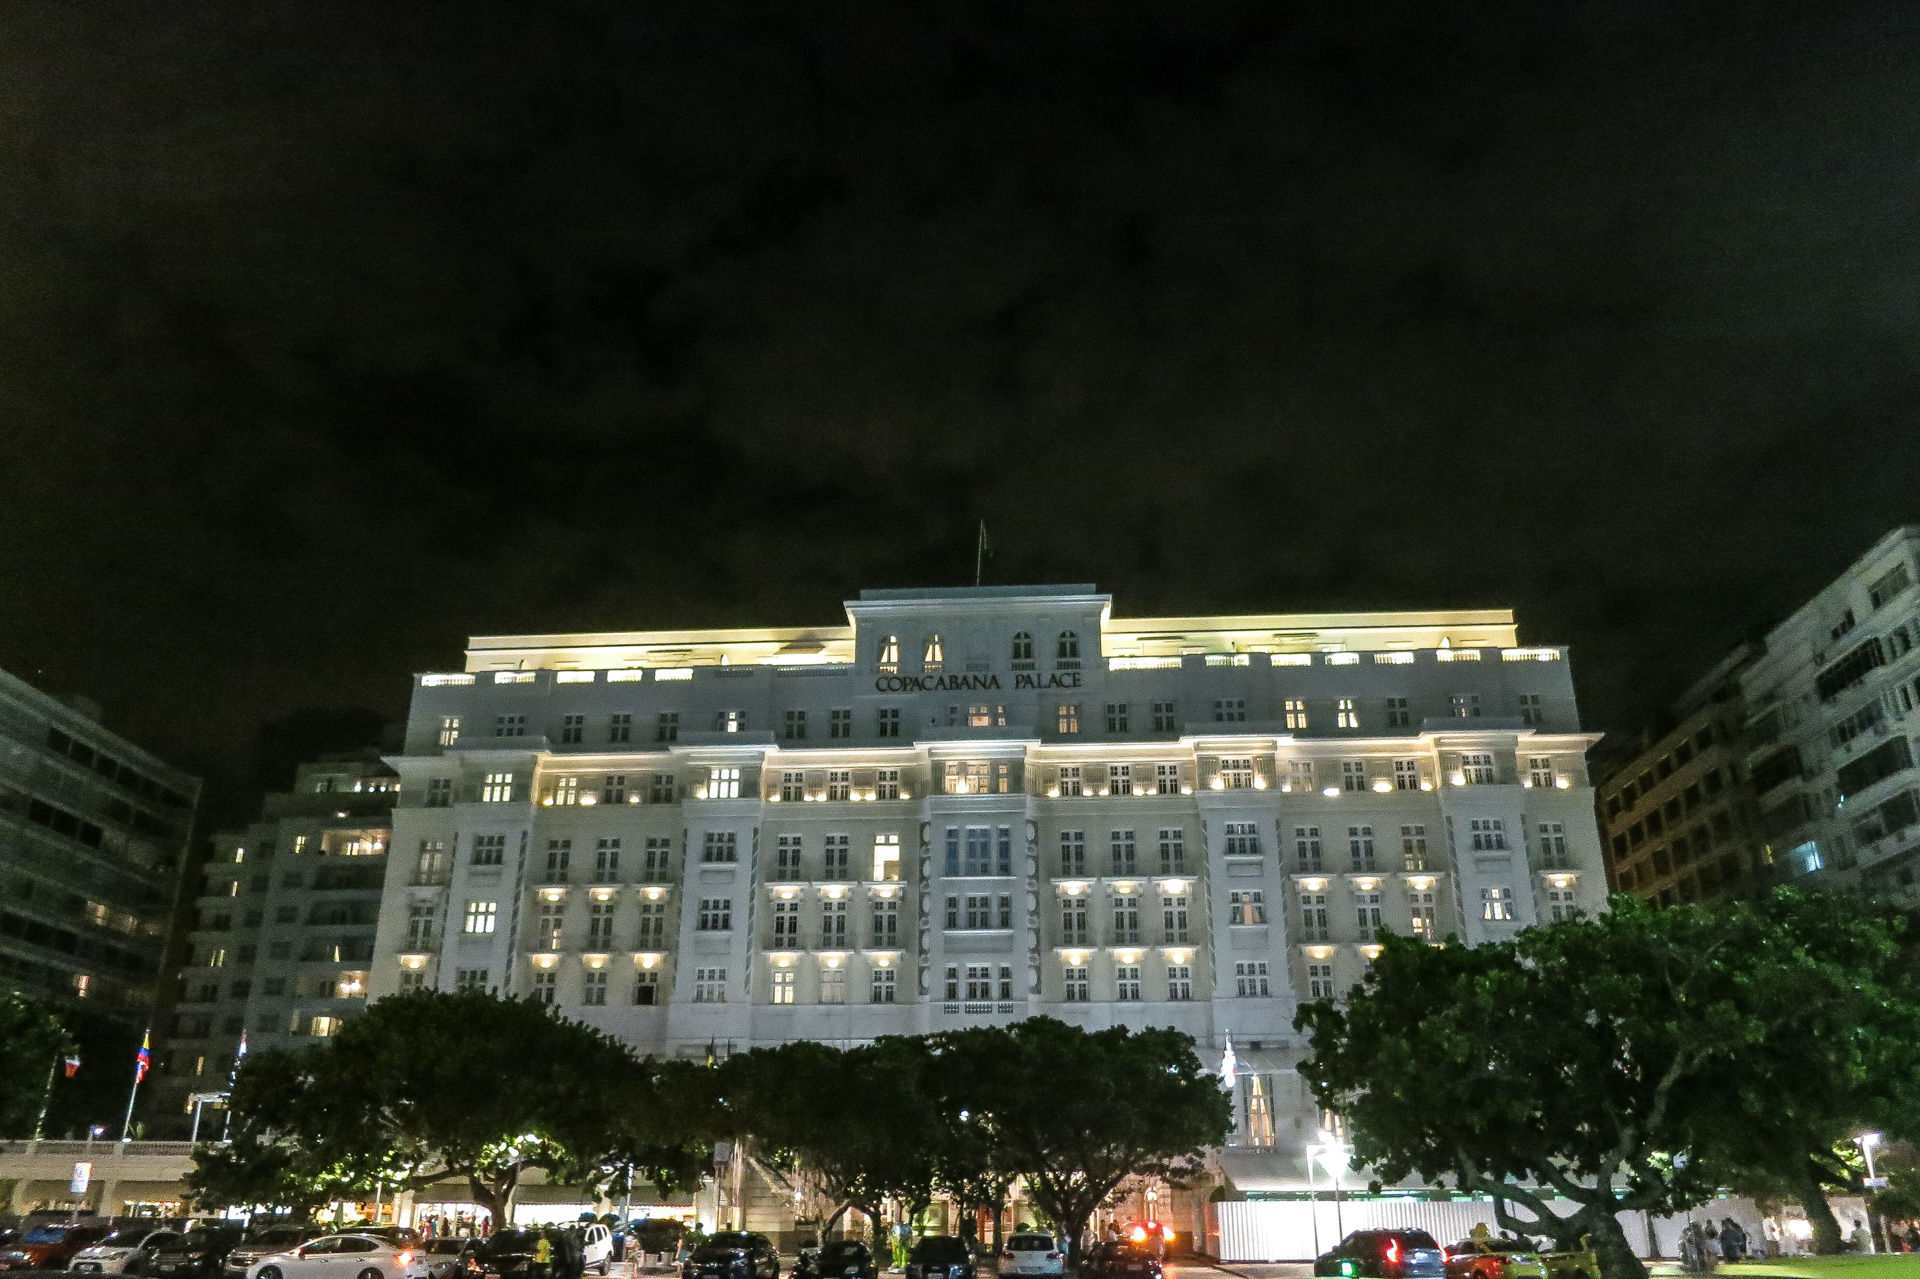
pixel 1867 1141
pixel 1333 1153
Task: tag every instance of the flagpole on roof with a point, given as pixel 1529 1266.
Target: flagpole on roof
pixel 141 1060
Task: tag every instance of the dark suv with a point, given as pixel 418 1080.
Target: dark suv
pixel 198 1254
pixel 940 1257
pixel 1385 1254
pixel 733 1254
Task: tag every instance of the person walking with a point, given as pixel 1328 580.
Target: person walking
pixel 1733 1240
pixel 1862 1237
pixel 543 1256
pixel 1770 1236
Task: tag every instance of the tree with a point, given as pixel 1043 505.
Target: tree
pixel 1076 1113
pixel 32 1042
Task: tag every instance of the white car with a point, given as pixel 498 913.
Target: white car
pixel 343 1257
pixel 596 1248
pixel 1032 1254
pixel 122 1252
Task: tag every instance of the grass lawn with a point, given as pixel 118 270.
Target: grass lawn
pixel 1844 1266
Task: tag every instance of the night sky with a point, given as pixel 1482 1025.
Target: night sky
pixel 331 333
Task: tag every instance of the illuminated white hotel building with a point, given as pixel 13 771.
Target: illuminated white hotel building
pixel 974 805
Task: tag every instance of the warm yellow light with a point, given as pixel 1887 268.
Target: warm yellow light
pixel 1382 785
pixel 588 800
pixel 1186 790
pixel 1331 792
pixel 1563 782
pixel 1458 779
pixel 1219 783
pixel 773 799
pixel 1259 783
pixel 1425 784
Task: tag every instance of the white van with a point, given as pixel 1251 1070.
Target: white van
pixel 1032 1254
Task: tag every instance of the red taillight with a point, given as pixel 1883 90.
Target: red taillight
pixel 1393 1252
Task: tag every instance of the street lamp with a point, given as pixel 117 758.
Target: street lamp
pixel 1333 1155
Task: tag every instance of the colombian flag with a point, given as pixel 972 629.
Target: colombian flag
pixel 143 1058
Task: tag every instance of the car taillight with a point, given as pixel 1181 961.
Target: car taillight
pixel 1393 1252
pixel 404 1258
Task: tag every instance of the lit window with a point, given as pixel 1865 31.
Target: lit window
pixel 1466 705
pixel 552 920
pixel 1296 712
pixel 1496 903
pixel 833 986
pixel 932 653
pixel 1413 846
pixel 1247 906
pixel 566 791
pixel 481 917
pixel 1344 715
pixel 886 858
pixel 1069 717
pixel 449 729
pixel 890 655
pixel 1420 912
pixel 723 783
pixel 729 721
pixel 1259 1110
pixel 783 985
pixel 497 789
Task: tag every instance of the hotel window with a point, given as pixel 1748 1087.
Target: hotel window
pixel 613 789
pixel 1360 846
pixel 1116 717
pixel 729 721
pixel 566 790
pixel 1319 981
pixel 1067 651
pixel 786 924
pixel 449 729
pixel 606 861
pixel 667 727
pixel 420 917
pixel 886 858
pixel 1250 979
pixel 720 846
pixel 793 786
pixel 1120 779
pixel 986 715
pixel 1073 921
pixel 412 979
pixel 550 924
pixel 795 729
pixel 833 924
pixel 1259 1112
pixel 1075 982
pixel 1236 774
pixel 890 655
pixel 620 728
pixel 1003 907
pixel 489 850
pixel 660 790
pixel 886 921
pixel 497 789
pixel 783 985
pixel 1296 711
pixel 433 862
pixel 440 792
pixel 1126 920
pixel 480 918
pixel 509 725
pixel 470 979
pixel 1489 835
pixel 646 989
pixel 1173 850
pixel 979 981
pixel 716 915
pixel 1166 779
pixel 1230 710
pixel 886 784
pixel 1022 651
pixel 1344 715
pixel 839 783
pixel 1553 843
pixel 887 722
pixel 1466 705
pixel 840 724
pixel 1406 774
pixel 1073 852
pixel 1126 983
pixel 659 854
pixel 595 993
pixel 1163 718
pixel 1173 919
pixel 1300 775
pixel 709 985
pixel 1367 907
pixel 1478 769
pixel 932 654
pixel 1247 906
pixel 559 856
pixel 979 852
pixel 1531 712
pixel 545 983
pixel 1179 982
pixel 1420 910
pixel 723 783
pixel 1067 715
pixel 1496 903
pixel 653 923
pixel 1070 779
pixel 1540 771
pixel 953 979
pixel 1243 839
pixel 1120 846
pixel 1560 904
pixel 1003 848
pixel 573 728
pixel 1353 775
pixel 1398 714
pixel 834 857
pixel 953 911
pixel 1413 846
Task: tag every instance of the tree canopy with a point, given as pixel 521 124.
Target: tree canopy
pixel 32 1040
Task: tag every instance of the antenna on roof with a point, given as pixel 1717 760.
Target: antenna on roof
pixel 981 550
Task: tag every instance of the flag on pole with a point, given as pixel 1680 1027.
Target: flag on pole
pixel 238 1057
pixel 143 1059
pixel 72 1064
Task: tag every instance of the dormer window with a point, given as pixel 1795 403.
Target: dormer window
pixel 1067 651
pixel 1023 652
pixel 890 655
pixel 933 654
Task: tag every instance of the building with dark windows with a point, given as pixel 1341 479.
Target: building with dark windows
pixel 282 930
pixel 969 806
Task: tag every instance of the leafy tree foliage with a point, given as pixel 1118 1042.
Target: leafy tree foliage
pixel 32 1040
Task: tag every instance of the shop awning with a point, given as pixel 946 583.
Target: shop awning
pixel 445 1192
pixel 150 1192
pixel 554 1195
pixel 49 1191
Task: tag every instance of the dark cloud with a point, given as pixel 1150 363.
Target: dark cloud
pixel 332 333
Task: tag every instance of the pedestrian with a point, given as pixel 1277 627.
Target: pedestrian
pixel 1862 1237
pixel 543 1255
pixel 576 1252
pixel 1733 1240
pixel 1710 1246
pixel 1770 1236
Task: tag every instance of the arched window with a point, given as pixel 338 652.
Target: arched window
pixel 933 655
pixel 890 655
pixel 1069 647
pixel 1023 649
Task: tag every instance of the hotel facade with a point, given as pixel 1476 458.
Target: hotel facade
pixel 970 806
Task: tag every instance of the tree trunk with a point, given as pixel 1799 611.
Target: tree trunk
pixel 1610 1246
pixel 1804 1177
pixel 999 1211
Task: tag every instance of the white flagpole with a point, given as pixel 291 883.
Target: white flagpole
pixel 140 1063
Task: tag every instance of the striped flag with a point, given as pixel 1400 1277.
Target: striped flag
pixel 143 1059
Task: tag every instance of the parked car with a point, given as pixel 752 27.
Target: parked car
pixel 199 1253
pixel 454 1257
pixel 1583 1264
pixel 1124 1260
pixel 509 1253
pixel 263 1241
pixel 1385 1254
pixel 1032 1254
pixel 1494 1259
pixel 353 1256
pixel 733 1254
pixel 124 1252
pixel 596 1248
pixel 841 1259
pixel 50 1246
pixel 941 1257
